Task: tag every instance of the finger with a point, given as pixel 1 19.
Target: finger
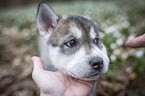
pixel 137 42
pixel 37 63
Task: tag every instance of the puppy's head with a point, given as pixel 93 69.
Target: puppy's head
pixel 74 43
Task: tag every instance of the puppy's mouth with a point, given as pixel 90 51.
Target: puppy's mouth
pixel 93 74
pixel 88 75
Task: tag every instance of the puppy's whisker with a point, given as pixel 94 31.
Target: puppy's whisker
pixel 114 65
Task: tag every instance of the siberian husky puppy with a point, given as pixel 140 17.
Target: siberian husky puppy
pixel 71 44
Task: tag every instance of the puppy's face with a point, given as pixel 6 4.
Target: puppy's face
pixel 74 44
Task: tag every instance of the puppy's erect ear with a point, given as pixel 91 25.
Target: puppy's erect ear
pixel 98 27
pixel 46 18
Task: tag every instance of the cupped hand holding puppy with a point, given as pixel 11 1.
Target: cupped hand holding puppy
pixel 57 84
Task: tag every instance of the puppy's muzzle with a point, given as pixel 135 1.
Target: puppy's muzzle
pixel 96 63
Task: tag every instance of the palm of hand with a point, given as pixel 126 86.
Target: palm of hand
pixel 56 84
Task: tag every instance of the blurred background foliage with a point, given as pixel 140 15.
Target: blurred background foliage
pixel 120 20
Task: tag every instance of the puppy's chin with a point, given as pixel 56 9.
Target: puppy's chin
pixel 86 78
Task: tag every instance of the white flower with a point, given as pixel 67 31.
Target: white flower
pixel 139 53
pixel 125 24
pixel 5 31
pixel 124 55
pixel 14 29
pixel 110 29
pixel 116 52
pixel 119 42
pixel 132 36
pixel 113 46
pixel 117 34
pixel 113 57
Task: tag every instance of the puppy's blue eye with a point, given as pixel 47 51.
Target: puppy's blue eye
pixel 71 43
pixel 96 41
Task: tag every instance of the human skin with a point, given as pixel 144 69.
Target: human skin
pixel 137 42
pixel 57 84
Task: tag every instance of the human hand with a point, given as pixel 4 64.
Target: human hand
pixel 137 42
pixel 57 84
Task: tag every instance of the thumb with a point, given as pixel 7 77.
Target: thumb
pixel 38 70
pixel 38 65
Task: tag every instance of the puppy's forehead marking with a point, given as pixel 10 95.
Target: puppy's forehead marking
pixel 76 31
pixel 92 33
pixel 72 25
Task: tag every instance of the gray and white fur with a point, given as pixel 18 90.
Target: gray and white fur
pixel 71 44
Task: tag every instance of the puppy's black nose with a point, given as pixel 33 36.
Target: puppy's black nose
pixel 96 63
